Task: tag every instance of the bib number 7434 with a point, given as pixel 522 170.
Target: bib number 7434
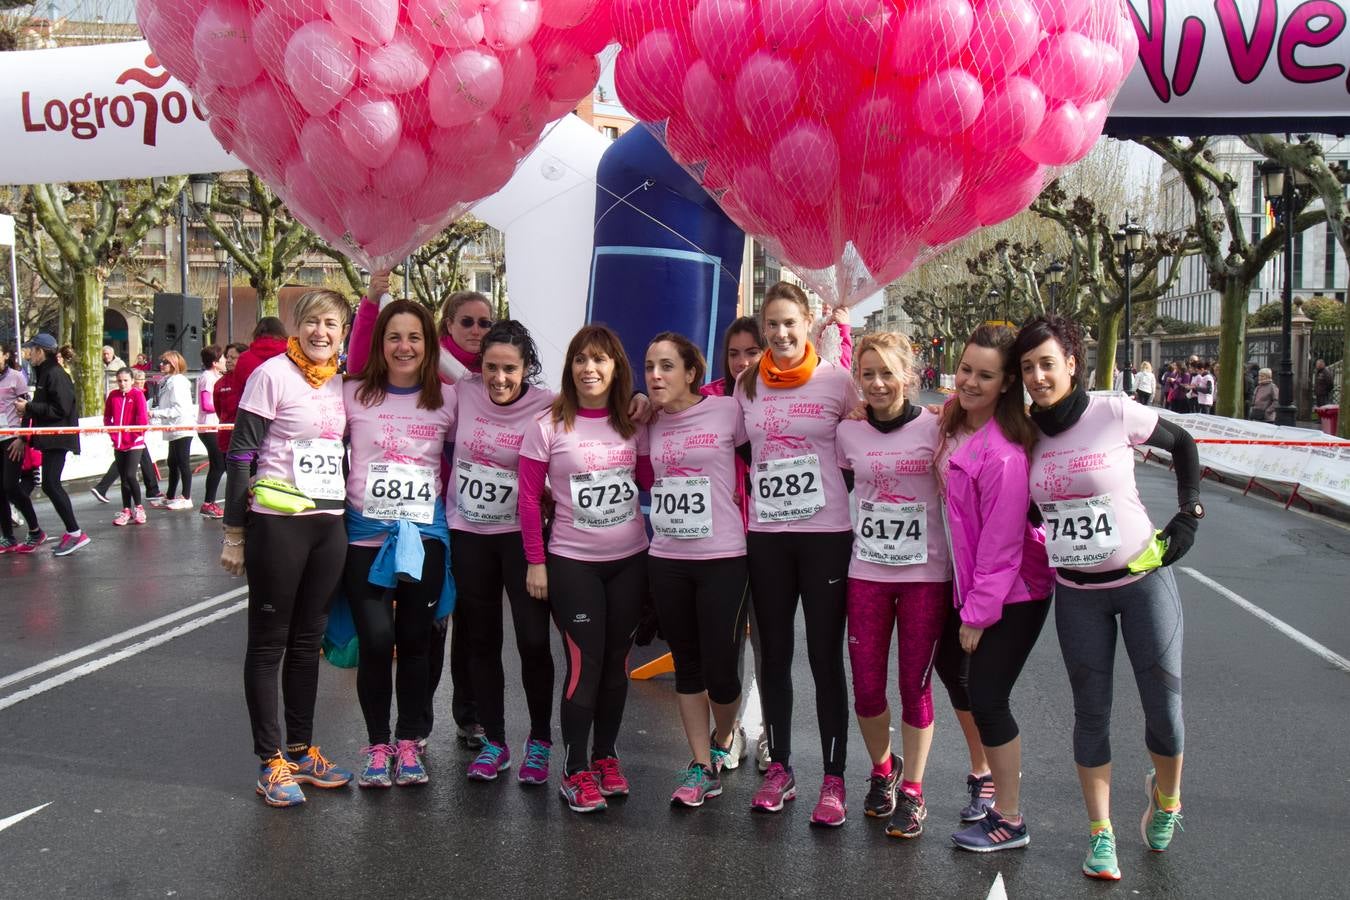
pixel 1080 533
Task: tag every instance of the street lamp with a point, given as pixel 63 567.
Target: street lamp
pixel 1281 188
pixel 223 258
pixel 197 194
pixel 1129 240
pixel 1054 275
pixel 993 302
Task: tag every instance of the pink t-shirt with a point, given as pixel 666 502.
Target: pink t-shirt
pixel 489 436
pixel 396 430
pixel 699 442
pixel 592 446
pixel 789 424
pixel 277 391
pixel 1094 458
pixel 896 468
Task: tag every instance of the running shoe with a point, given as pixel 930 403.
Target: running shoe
pixel 122 518
pixel 34 540
pixel 831 809
pixel 138 515
pixel 610 777
pixel 1101 856
pixel 408 768
pixel 8 545
pixel 762 753
pixel 99 495
pixel 276 783
pixel 993 832
pixel 376 773
pixel 981 790
pixel 880 799
pixel 1158 824
pixel 582 793
pixel 70 543
pixel 534 770
pixel 179 504
pixel 471 736
pixel 212 511
pixel 314 769
pixel 910 812
pixel 697 784
pixel 493 758
pixel 721 756
pixel 777 788
pixel 159 502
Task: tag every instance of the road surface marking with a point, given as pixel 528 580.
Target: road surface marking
pixel 1287 630
pixel 19 817
pixel 125 653
pixel 58 661
pixel 996 890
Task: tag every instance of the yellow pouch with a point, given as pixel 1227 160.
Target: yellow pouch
pixel 281 495
pixel 1151 558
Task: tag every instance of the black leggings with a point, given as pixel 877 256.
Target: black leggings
pixel 814 566
pixel 148 475
pixel 981 683
pixel 702 607
pixel 294 565
pixel 128 464
pixel 53 463
pixel 380 628
pixel 484 566
pixel 17 491
pixel 180 468
pixel 216 468
pixel 596 606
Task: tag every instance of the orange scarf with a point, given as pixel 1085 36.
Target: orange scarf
pixel 317 375
pixel 797 376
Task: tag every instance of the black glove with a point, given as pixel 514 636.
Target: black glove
pixel 1180 536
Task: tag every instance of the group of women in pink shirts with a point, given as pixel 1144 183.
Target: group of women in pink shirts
pixel 796 481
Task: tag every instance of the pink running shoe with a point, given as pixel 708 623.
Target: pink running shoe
pixel 138 515
pixel 534 770
pixel 582 793
pixel 777 788
pixel 611 780
pixel 493 758
pixel 122 518
pixel 831 810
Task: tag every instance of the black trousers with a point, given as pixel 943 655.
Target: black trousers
pixel 702 605
pixel 128 463
pixel 17 490
pixel 53 463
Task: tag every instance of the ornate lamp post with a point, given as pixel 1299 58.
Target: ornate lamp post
pixel 1129 240
pixel 1282 190
pixel 1054 275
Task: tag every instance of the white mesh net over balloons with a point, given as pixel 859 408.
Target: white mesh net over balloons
pixel 378 122
pixel 857 138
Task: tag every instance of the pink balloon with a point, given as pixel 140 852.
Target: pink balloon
pixel 441 22
pixel 661 60
pixel 1011 115
pixel 567 13
pixel 684 142
pixel 634 19
pixel 875 128
pixel 321 66
pixel 1005 36
pixel 811 243
pixel 265 121
pixel 632 90
pixel 464 85
pixel 404 172
pixel 707 100
pixel 170 49
pixel 1066 66
pixel 271 33
pixel 219 101
pixel 930 34
pixel 948 102
pixel 1001 201
pixel 370 126
pixel 524 124
pixel 1112 71
pixel 295 11
pixel 399 65
pixel 508 24
pixel 828 82
pixel 724 32
pixel 460 147
pixel 762 197
pixel 766 92
pixel 1061 15
pixel 436 201
pixel 368 21
pixel 1059 138
pixel 1094 119
pixel 596 31
pixel 520 69
pixel 179 18
pixel 791 24
pixel 952 223
pixel 567 73
pixel 931 173
pixel 223 131
pixel 805 161
pixel 367 215
pixel 306 196
pixel 223 47
pixel 861 28
pixel 322 148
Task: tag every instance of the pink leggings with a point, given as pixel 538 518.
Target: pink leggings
pixel 917 611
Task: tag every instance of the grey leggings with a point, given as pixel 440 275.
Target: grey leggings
pixel 1150 621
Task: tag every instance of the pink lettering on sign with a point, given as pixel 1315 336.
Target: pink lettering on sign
pixel 1312 24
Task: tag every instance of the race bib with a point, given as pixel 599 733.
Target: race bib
pixel 1080 534
pixel 400 491
pixel 788 489
pixel 317 469
pixel 682 507
pixel 486 494
pixel 892 534
pixel 604 499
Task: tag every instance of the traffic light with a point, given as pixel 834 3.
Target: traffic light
pixel 937 345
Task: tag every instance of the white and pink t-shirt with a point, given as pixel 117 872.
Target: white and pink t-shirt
pixel 694 513
pixel 597 466
pixel 396 431
pixel 795 484
pixel 277 391
pixel 1083 482
pixel 899 513
pixel 483 491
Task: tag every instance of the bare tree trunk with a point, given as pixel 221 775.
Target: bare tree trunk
pixel 88 329
pixel 1108 332
pixel 1232 346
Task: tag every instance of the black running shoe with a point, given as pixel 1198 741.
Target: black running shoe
pixel 880 801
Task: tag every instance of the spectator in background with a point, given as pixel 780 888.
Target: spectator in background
pixel 269 340
pixel 126 406
pixel 13 385
pixel 66 357
pixel 1265 398
pixel 175 407
pixel 1249 379
pixel 1144 383
pixel 142 363
pixel 1167 383
pixel 149 474
pixel 213 368
pixel 1323 384
pixel 111 361
pixel 1203 384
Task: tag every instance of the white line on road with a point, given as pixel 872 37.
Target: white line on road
pixel 1287 630
pixel 19 817
pixel 125 653
pixel 57 662
pixel 997 890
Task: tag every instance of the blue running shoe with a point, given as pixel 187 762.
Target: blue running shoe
pixel 1101 857
pixel 981 797
pixel 276 783
pixel 377 772
pixel 314 769
pixel 408 768
pixel 991 833
pixel 1158 824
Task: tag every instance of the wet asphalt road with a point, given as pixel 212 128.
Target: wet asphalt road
pixel 145 761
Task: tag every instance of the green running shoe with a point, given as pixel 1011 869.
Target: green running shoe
pixel 1101 858
pixel 1158 824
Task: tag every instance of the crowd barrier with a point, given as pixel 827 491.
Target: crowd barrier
pixel 96 452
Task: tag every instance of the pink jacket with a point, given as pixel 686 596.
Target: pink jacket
pixel 127 408
pixel 998 556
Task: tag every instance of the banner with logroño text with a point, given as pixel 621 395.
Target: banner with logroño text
pixel 99 113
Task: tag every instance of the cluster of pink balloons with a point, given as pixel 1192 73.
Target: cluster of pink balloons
pixel 380 121
pixel 858 137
